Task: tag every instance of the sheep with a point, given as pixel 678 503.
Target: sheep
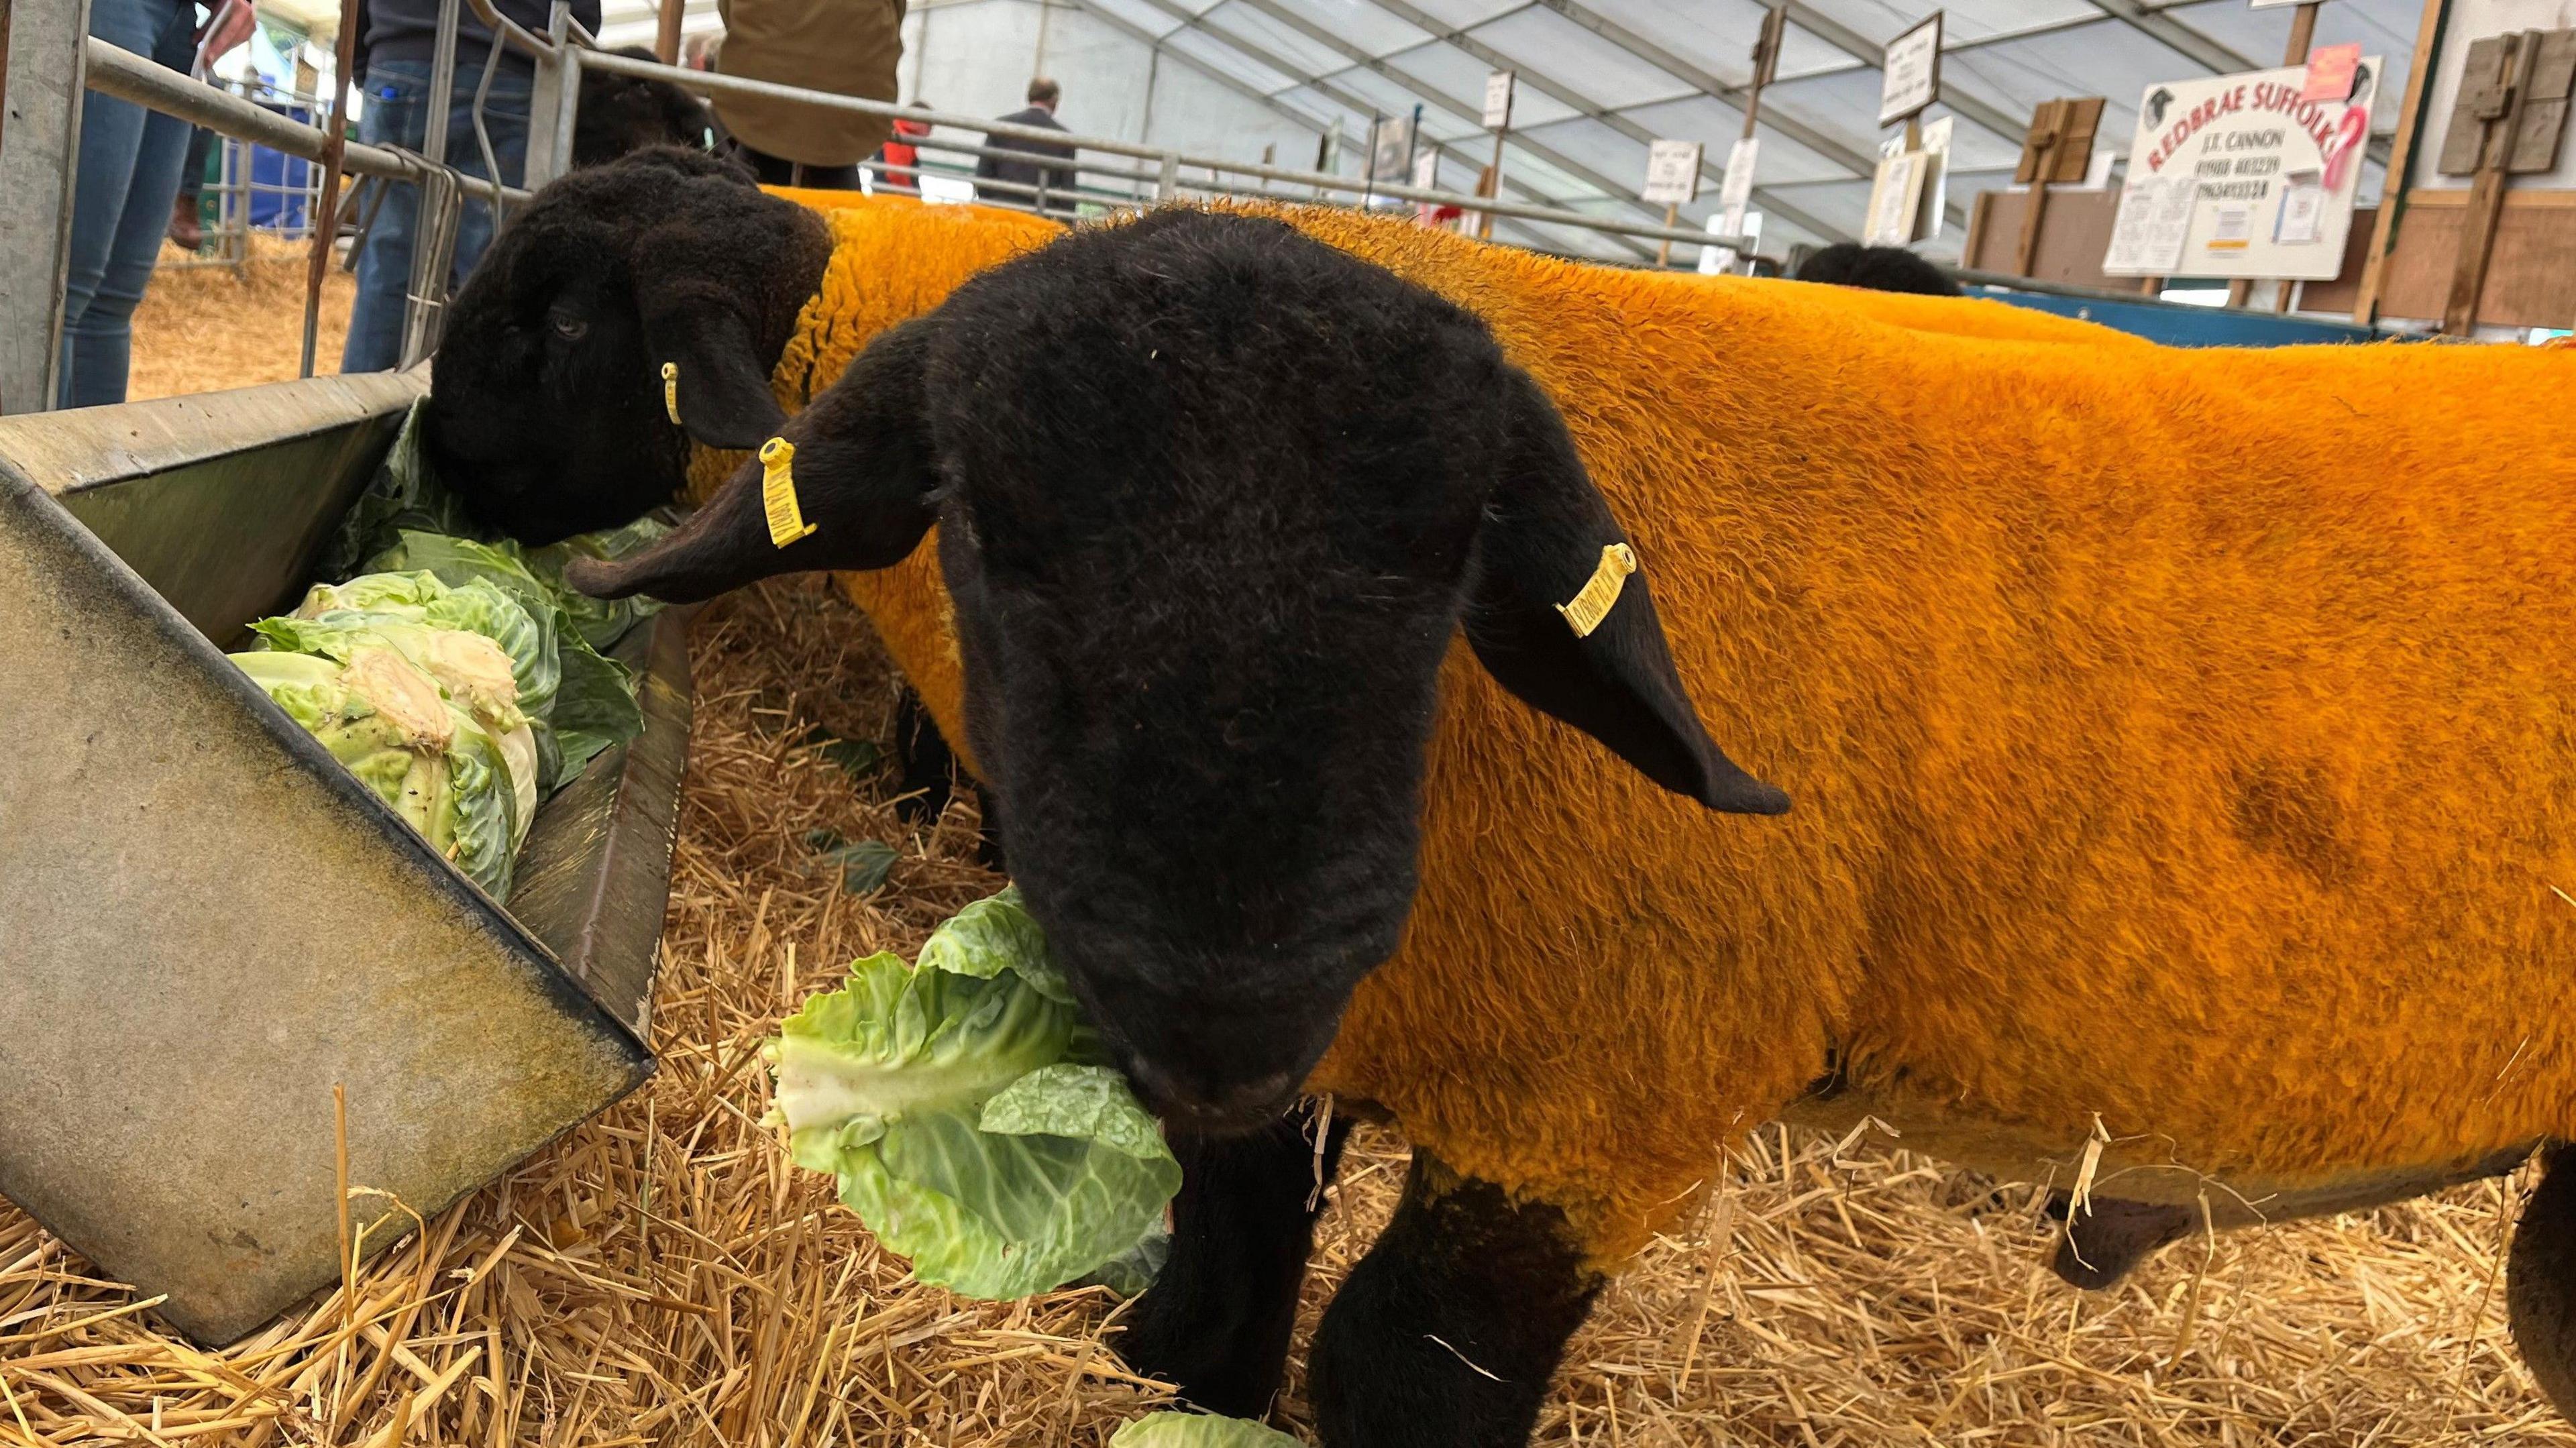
pixel 619 114
pixel 2181 753
pixel 1877 268
pixel 547 413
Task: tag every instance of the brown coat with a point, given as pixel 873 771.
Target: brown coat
pixel 848 47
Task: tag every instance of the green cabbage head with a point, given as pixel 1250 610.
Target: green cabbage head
pixel 429 758
pixel 970 1116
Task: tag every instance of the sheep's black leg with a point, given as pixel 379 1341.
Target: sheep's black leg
pixel 1218 1318
pixel 926 772
pixel 925 769
pixel 1447 1332
pixel 2101 1246
pixel 2540 1281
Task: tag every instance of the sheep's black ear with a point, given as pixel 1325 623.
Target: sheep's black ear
pixel 861 476
pixel 1558 615
pixel 700 286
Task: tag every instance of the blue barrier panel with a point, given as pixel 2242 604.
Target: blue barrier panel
pixel 2181 326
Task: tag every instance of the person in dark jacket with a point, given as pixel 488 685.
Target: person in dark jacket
pixel 1058 179
pixel 398 38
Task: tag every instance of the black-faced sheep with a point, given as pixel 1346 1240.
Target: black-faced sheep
pixel 621 114
pixel 1878 269
pixel 2160 772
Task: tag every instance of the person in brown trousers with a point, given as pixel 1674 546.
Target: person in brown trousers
pixel 847 47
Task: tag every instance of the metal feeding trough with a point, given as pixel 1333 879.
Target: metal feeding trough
pixel 206 924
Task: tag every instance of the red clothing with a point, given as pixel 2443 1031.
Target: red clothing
pixel 900 155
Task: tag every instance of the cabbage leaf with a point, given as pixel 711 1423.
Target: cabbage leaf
pixel 970 1115
pixel 1198 1430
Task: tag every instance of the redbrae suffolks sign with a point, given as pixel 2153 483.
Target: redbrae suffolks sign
pixel 2238 176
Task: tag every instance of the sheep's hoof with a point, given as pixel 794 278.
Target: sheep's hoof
pixel 2100 1246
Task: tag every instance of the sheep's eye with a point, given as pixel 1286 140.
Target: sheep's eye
pixel 568 328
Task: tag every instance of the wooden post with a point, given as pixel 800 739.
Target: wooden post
pixel 2303 34
pixel 666 37
pixel 2486 193
pixel 1664 252
pixel 2047 126
pixel 335 143
pixel 2401 160
pixel 1491 184
pixel 1766 59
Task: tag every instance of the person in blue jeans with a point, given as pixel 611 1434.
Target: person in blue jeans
pixel 128 177
pixel 399 38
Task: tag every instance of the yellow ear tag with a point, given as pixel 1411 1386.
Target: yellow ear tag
pixel 778 492
pixel 671 391
pixel 1586 609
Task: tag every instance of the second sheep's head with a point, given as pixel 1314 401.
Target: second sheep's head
pixel 547 412
pixel 1212 501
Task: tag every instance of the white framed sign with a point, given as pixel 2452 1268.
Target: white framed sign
pixel 2236 176
pixel 1672 173
pixel 1498 100
pixel 1936 176
pixel 1733 221
pixel 1910 76
pixel 1895 199
pixel 1391 148
pixel 1735 190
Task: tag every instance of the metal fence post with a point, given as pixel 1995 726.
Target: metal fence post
pixel 42 70
pixel 551 105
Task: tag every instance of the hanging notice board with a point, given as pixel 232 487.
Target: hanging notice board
pixel 2237 176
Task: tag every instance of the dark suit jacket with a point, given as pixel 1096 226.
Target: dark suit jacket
pixel 1059 179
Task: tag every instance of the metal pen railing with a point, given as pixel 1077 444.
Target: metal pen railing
pixel 1167 162
pixel 1109 174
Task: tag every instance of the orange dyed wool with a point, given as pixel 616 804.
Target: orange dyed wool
pixel 2183 740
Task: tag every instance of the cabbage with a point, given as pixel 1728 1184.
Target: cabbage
pixel 969 1115
pixel 469 668
pixel 527 634
pixel 1198 1430
pixel 431 760
pixel 597 707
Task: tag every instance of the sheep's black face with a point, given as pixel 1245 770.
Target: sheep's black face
pixel 1214 500
pixel 547 415
pixel 1205 571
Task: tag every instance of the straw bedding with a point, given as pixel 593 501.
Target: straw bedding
pixel 205 328
pixel 662 1276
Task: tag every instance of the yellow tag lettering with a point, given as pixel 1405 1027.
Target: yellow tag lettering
pixel 778 492
pixel 1586 609
pixel 671 391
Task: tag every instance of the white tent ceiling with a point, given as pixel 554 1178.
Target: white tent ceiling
pixel 1599 78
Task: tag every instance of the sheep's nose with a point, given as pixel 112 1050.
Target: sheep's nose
pixel 1199 1104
